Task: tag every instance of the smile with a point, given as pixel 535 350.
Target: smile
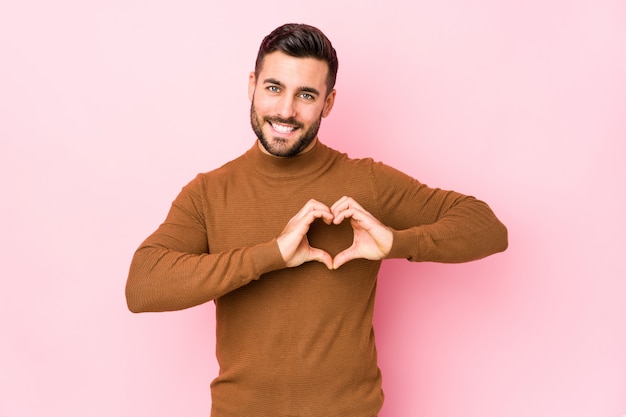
pixel 282 128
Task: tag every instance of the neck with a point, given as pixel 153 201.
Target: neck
pixel 302 165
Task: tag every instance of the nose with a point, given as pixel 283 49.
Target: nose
pixel 286 107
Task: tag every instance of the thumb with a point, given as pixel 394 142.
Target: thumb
pixel 344 257
pixel 321 256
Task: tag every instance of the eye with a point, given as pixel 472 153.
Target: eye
pixel 307 96
pixel 273 89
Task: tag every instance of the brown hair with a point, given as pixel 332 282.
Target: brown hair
pixel 300 41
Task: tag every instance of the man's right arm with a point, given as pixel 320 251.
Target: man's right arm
pixel 173 269
pixel 163 279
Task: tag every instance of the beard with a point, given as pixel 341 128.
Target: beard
pixel 278 146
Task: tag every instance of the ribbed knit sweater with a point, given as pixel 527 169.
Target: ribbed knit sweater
pixel 296 341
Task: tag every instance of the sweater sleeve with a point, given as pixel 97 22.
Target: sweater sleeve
pixel 174 269
pixel 435 225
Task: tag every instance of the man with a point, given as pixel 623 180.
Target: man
pixel 288 239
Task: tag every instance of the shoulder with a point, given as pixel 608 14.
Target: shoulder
pixel 210 180
pixel 225 171
pixel 368 167
pixel 344 161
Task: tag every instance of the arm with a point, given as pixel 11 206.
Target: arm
pixel 173 269
pixel 435 225
pixel 466 230
pixel 420 223
pixel 162 279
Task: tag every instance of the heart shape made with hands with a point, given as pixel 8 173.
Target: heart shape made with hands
pixel 330 238
pixel 305 235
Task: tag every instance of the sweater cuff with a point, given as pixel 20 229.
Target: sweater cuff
pixel 403 246
pixel 267 257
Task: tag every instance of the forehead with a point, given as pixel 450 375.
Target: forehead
pixel 294 72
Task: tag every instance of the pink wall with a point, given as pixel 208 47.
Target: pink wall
pixel 108 107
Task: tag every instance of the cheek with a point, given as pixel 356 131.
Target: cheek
pixel 262 105
pixel 310 114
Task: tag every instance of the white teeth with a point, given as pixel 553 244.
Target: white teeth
pixel 282 128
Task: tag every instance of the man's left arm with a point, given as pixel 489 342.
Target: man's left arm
pixel 413 221
pixel 431 224
pixel 466 230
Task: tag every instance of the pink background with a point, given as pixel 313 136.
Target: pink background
pixel 108 107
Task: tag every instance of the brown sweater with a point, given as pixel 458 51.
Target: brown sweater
pixel 296 341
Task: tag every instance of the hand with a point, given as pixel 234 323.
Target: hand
pixel 293 243
pixel 372 239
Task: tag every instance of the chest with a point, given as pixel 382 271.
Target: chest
pixel 247 211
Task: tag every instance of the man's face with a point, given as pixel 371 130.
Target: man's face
pixel 288 102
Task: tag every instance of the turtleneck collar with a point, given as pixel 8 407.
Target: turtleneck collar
pixel 292 167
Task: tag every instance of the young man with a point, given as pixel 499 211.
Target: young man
pixel 288 239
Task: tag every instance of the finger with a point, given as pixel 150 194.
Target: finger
pixel 343 203
pixel 344 257
pixel 291 238
pixel 323 214
pixel 321 256
pixel 303 219
pixel 355 213
pixel 314 204
pixel 341 212
pixel 339 202
pixel 346 207
pixel 314 209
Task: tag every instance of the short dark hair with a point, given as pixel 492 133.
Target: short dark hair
pixel 300 41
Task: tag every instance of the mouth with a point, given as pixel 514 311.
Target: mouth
pixel 282 128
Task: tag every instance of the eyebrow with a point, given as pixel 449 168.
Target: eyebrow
pixel 280 84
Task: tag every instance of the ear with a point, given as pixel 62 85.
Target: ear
pixel 329 102
pixel 251 85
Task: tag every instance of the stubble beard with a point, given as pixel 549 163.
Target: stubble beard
pixel 277 146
